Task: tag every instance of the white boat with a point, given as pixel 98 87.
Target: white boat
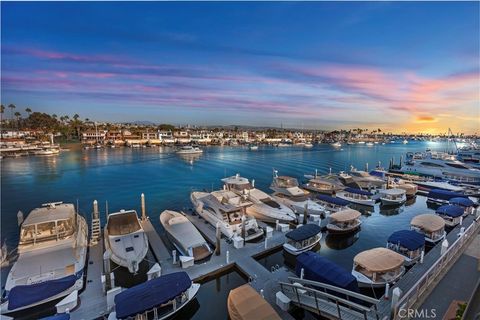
pixel 264 207
pixel 47 152
pixel 408 243
pixel 431 226
pixel 357 196
pixel 376 267
pixel 361 179
pixel 302 239
pixel 231 219
pixel 308 145
pixel 393 197
pixel 361 142
pixel 369 144
pixel 253 147
pixel 51 258
pixel 287 191
pixel 159 298
pixel 189 150
pixel 344 221
pixel 328 184
pixel 184 236
pixel 336 144
pixel 405 141
pixel 125 239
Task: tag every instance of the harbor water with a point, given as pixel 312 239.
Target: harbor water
pixel 119 176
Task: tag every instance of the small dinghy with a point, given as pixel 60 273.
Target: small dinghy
pixel 376 267
pixel 344 221
pixel 184 236
pixel 431 226
pixel 245 303
pixel 302 239
pixel 125 239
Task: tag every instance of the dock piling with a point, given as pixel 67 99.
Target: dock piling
pixel 261 293
pixel 174 255
pixel 444 247
pixel 302 273
pixel 144 216
pixel 422 255
pixel 305 214
pixel 387 289
pixel 228 257
pixel 266 243
pixel 95 209
pixel 218 236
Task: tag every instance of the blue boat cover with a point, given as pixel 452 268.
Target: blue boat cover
pixel 358 191
pixel 304 232
pixel 445 194
pixel 320 269
pixel 377 173
pixel 464 202
pixel 24 295
pixel 60 316
pixel 333 200
pixel 151 294
pixel 450 210
pixel 409 239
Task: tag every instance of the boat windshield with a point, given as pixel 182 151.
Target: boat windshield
pixel 122 224
pixel 287 182
pixel 240 186
pixel 47 231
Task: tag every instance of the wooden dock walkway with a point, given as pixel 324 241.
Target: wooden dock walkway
pixel 160 251
pixel 93 303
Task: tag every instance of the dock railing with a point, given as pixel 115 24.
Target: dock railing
pixel 322 299
pixel 408 299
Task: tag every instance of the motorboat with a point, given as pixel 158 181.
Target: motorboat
pixel 302 239
pixel 361 179
pixel 441 166
pixel 327 184
pixel 410 188
pixel 344 221
pixel 47 152
pixel 189 150
pixel 408 243
pixel 405 141
pixel 184 236
pixel 357 196
pixel 232 220
pixel 439 196
pixel 467 204
pixel 253 147
pixel 287 191
pixel 308 145
pixel 451 214
pixel 393 197
pixel 369 144
pixel 265 207
pixel 51 258
pixel 332 204
pixel 320 269
pixel 336 145
pixel 431 226
pixel 125 240
pixel 245 303
pixel 158 298
pixel 376 267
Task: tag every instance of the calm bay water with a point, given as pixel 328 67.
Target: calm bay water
pixel 119 176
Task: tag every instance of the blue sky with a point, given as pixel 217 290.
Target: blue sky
pixel 398 66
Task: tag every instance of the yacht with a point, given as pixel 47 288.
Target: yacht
pixel 328 184
pixel 369 144
pixel 442 166
pixel 357 196
pixel 336 144
pixel 189 150
pixel 264 208
pixel 125 239
pixel 287 191
pixel 376 267
pixel 361 179
pixel 228 216
pixel 393 197
pixel 51 258
pixel 184 236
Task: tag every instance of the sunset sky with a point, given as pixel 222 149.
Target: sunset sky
pixel 402 66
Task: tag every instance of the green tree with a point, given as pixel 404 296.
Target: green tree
pixel 28 111
pixel 18 115
pixel 12 107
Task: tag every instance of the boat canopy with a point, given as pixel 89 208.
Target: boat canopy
pixel 450 210
pixel 393 192
pixel 151 294
pixel 245 303
pixel 304 232
pixel 379 260
pixel 428 222
pixel 332 200
pixel 445 194
pixel 345 215
pixel 377 173
pixel 358 191
pixel 409 239
pixel 24 295
pixel 318 268
pixel 464 202
pixel 64 211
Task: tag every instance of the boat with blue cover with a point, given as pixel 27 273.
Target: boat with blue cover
pixel 451 214
pixel 408 243
pixel 51 258
pixel 357 196
pixel 302 239
pixel 332 204
pixel 158 298
pixel 439 196
pixel 320 269
pixel 467 204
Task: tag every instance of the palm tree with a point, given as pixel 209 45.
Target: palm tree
pixel 54 116
pixel 17 115
pixel 11 106
pixel 29 111
pixel 2 110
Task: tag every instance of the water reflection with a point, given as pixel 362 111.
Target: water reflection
pixel 390 211
pixel 190 158
pixel 341 241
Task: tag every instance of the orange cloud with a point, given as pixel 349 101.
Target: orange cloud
pixel 423 119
